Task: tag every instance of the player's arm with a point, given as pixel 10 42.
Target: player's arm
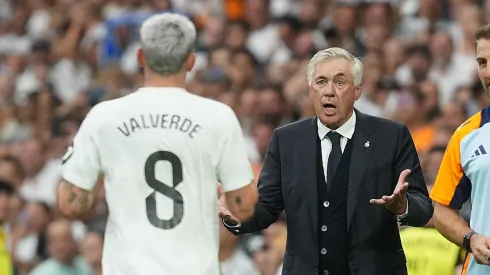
pixel 81 168
pixel 241 202
pixel 451 189
pixel 235 171
pixel 270 204
pixel 419 206
pixel 75 202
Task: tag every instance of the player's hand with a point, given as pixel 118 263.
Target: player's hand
pixel 222 211
pixel 396 202
pixel 480 247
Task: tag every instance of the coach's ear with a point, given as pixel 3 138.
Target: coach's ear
pixel 141 58
pixel 191 61
pixel 358 91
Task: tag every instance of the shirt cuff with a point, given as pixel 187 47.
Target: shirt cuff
pixel 402 216
pixel 234 229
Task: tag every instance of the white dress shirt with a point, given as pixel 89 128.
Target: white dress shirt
pixel 346 132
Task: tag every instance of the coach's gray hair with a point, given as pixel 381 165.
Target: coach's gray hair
pixel 336 53
pixel 166 41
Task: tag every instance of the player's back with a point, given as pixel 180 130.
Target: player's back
pixel 159 150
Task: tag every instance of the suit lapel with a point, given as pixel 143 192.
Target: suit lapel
pixel 307 161
pixel 362 148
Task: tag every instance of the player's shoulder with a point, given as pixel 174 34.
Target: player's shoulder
pixel 208 102
pixel 471 124
pixel 213 109
pixel 100 110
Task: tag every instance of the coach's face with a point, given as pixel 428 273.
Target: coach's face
pixel 483 58
pixel 333 92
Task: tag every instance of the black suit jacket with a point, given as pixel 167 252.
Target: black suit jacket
pixel 288 182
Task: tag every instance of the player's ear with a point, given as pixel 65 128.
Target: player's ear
pixel 191 61
pixel 141 58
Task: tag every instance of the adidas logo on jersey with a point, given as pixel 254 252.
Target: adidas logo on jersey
pixel 479 151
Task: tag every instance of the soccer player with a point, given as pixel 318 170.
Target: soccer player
pixel 465 173
pixel 162 151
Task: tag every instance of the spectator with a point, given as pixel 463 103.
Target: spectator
pixel 231 256
pixel 428 252
pixel 63 249
pixel 92 252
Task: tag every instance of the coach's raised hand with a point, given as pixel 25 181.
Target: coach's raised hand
pixel 396 202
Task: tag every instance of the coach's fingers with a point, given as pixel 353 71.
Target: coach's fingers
pixel 378 201
pixel 222 212
pixel 401 188
pixel 403 175
pixel 230 219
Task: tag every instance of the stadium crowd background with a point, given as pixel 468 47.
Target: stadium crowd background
pixel 58 58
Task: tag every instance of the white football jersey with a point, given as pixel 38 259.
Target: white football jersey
pixel 162 152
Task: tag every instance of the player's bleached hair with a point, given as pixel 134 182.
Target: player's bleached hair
pixel 336 53
pixel 166 41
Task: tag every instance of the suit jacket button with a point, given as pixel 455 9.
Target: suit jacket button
pixel 325 272
pixel 315 268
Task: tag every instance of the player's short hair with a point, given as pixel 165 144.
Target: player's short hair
pixel 166 41
pixel 483 32
pixel 332 54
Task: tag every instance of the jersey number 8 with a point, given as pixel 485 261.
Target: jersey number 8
pixel 162 188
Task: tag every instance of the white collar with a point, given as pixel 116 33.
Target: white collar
pixel 346 130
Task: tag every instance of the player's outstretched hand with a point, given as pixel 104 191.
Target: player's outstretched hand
pixel 396 202
pixel 222 211
pixel 480 247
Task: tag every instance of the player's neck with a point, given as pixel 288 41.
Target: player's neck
pixel 152 80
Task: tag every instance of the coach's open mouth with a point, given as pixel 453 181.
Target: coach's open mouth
pixel 329 109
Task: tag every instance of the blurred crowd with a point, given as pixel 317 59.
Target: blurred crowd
pixel 58 58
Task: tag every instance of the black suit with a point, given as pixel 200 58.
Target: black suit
pixel 288 181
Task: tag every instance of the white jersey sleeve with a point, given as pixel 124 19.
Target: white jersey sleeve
pixel 81 164
pixel 234 169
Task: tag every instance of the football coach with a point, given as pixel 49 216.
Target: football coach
pixel 343 178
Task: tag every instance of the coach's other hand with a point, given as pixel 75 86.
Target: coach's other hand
pixel 396 202
pixel 480 247
pixel 223 212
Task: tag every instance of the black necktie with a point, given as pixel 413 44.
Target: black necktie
pixel 334 157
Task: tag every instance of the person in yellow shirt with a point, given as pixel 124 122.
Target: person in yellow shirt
pixel 6 190
pixel 428 252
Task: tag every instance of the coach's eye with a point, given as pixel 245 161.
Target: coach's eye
pixel 321 82
pixel 340 82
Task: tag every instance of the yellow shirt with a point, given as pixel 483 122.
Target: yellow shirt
pixel 5 260
pixel 428 252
